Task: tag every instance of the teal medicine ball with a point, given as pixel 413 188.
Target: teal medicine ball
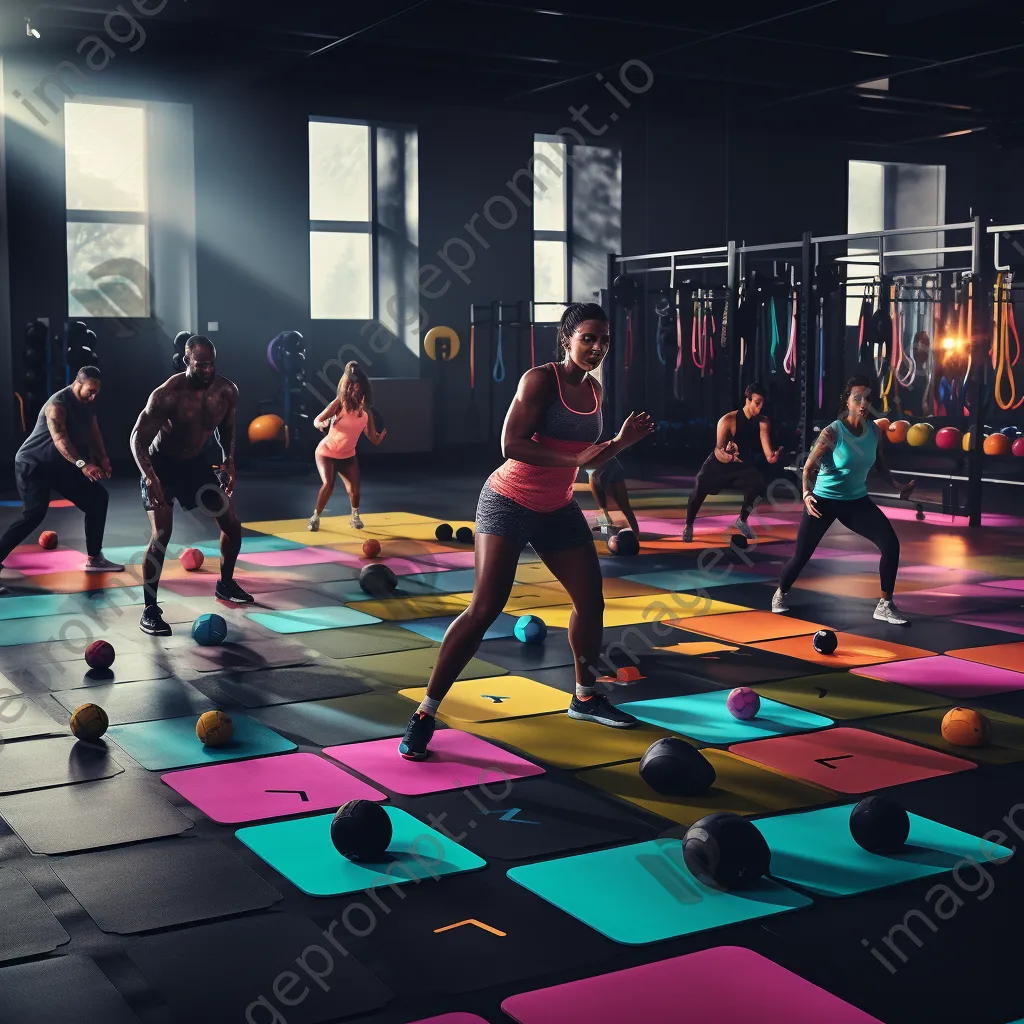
pixel 209 630
pixel 530 629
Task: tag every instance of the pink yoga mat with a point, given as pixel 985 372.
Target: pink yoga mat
pixel 850 760
pixel 1017 585
pixel 727 985
pixel 203 585
pixel 457 761
pixel 447 560
pixel 452 1018
pixel 1008 622
pixel 321 555
pixel 269 787
pixel 948 676
pixel 36 563
pixel 958 522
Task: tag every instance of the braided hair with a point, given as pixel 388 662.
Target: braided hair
pixel 575 314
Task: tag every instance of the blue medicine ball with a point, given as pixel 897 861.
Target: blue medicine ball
pixel 209 630
pixel 530 629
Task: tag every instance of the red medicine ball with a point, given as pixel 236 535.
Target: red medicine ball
pixel 99 654
pixel 191 559
pixel 371 548
pixel 48 540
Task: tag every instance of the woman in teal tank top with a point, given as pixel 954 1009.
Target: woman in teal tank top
pixel 836 488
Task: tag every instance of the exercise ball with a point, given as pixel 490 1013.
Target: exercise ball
pixel 743 703
pixel 464 535
pixel 361 831
pixel 920 434
pixel 882 423
pixel 377 580
pixel 530 629
pixel 676 768
pixel 209 630
pixel 825 641
pixel 879 824
pixel 48 540
pixel 947 438
pixel 265 428
pixel 726 850
pixel 191 559
pixel 897 431
pixel 99 655
pixel 625 543
pixel 89 722
pixel 371 548
pixel 1018 447
pixel 215 728
pixel 997 444
pixel 965 727
pixel 444 532
pixel 737 540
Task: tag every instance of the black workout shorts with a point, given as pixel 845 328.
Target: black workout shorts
pixel 545 531
pixel 715 476
pixel 190 482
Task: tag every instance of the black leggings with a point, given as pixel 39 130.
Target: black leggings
pixel 715 476
pixel 34 485
pixel 861 516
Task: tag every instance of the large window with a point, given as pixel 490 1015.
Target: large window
pixel 107 210
pixel 551 218
pixel 341 172
pixel 886 196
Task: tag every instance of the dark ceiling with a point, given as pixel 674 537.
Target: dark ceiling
pixel 953 67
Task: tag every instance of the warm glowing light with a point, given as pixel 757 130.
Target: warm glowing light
pixel 950 344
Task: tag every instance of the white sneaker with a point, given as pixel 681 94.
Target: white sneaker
pixel 356 522
pixel 314 522
pixel 888 612
pixel 779 602
pixel 742 526
pixel 687 534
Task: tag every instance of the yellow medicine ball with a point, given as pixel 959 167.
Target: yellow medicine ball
pixel 215 728
pixel 89 722
pixel 920 434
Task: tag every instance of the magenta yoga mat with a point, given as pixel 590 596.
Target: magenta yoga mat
pixel 727 984
pixel 1008 622
pixel 948 676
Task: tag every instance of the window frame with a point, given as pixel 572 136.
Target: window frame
pixel 565 237
pixel 354 227
pixel 142 218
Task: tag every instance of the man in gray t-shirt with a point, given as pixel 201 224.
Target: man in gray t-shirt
pixel 53 457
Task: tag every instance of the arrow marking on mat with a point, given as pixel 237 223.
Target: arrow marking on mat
pixel 301 793
pixel 473 921
pixel 838 757
pixel 489 696
pixel 510 815
pixel 821 693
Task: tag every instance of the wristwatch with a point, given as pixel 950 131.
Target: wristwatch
pixel 80 464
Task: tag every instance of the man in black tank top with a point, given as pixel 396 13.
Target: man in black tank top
pixel 64 453
pixel 742 435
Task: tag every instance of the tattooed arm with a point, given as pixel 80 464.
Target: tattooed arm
pixel 826 443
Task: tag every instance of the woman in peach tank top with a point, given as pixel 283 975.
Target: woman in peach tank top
pixel 344 420
pixel 551 431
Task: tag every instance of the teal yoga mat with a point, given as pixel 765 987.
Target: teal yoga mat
pixel 302 851
pixel 503 627
pixel 172 742
pixel 34 606
pixel 705 718
pixel 648 893
pixel 307 620
pixel 694 579
pixel 814 849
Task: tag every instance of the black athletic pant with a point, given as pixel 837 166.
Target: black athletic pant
pixel 35 482
pixel 715 476
pixel 863 517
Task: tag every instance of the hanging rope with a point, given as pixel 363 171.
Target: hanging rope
pixel 905 379
pixel 662 310
pixel 498 371
pixel 821 352
pixel 1005 324
pixel 677 384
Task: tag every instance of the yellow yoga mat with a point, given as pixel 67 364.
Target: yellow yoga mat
pixel 492 698
pixel 425 606
pixel 563 742
pixel 534 572
pixel 846 697
pixel 423 530
pixel 624 611
pixel 741 787
pixel 535 595
pixel 405 669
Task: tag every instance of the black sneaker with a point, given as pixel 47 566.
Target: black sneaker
pixel 600 710
pixel 414 744
pixel 229 590
pixel 152 622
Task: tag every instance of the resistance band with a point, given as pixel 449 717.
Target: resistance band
pixel 498 371
pixel 662 310
pixel 821 352
pixel 867 309
pixel 676 381
pixel 775 333
pixel 789 362
pixel 905 380
pixel 1005 324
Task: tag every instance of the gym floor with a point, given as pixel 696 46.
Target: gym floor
pixel 147 878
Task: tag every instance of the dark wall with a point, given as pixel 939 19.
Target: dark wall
pixel 688 180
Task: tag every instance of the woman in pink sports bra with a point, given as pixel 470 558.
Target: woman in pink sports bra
pixel 551 430
pixel 344 420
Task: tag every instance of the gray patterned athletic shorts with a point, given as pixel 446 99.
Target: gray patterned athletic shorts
pixel 545 531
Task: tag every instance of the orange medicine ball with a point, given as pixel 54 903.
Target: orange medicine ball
pixel 965 727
